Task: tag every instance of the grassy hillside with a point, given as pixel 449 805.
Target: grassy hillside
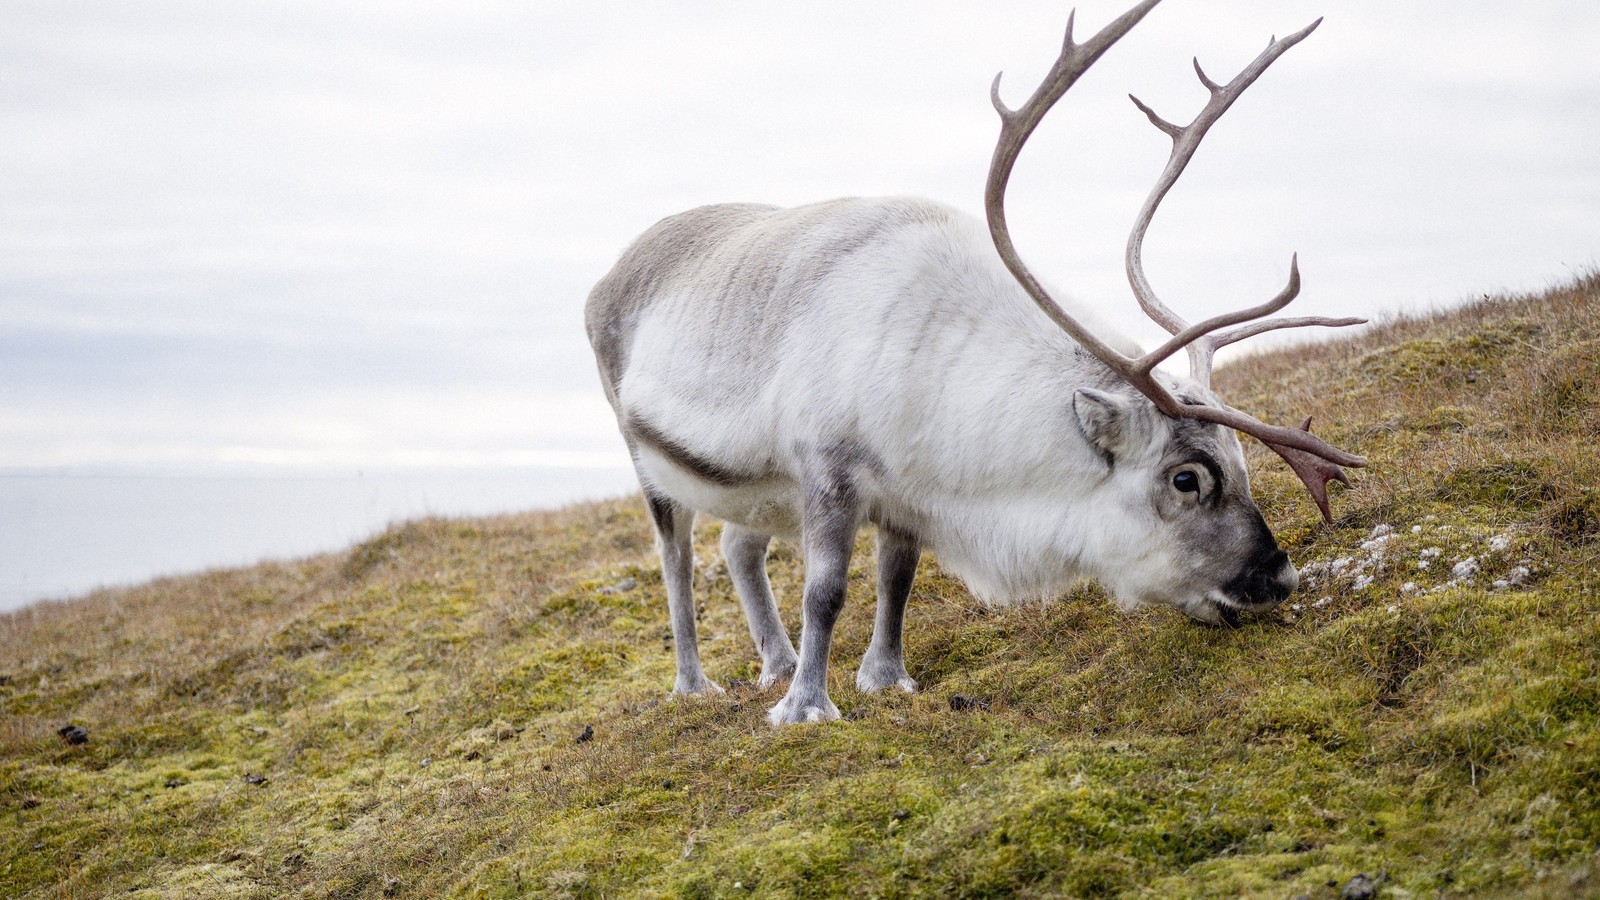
pixel 479 709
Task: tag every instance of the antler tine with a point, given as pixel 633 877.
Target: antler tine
pixel 1314 460
pixel 1200 363
pixel 1274 436
pixel 1306 453
pixel 1194 337
pixel 1185 141
pixel 1225 338
pixel 1016 125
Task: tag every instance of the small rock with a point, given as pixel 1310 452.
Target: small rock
pixel 588 734
pixel 426 762
pixel 1359 888
pixel 253 778
pixel 962 703
pixel 74 734
pixel 175 783
pixel 1416 529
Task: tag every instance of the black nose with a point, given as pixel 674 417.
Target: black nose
pixel 1267 581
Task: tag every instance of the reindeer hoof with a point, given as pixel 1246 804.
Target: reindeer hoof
pixel 874 678
pixel 703 687
pixel 772 673
pixel 792 710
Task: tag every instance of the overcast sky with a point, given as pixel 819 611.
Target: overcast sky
pixel 360 234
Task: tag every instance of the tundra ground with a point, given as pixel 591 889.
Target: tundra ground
pixel 479 709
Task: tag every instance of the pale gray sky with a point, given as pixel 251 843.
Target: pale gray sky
pixel 360 234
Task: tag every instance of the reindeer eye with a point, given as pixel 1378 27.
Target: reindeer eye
pixel 1187 482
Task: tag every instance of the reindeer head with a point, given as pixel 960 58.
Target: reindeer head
pixel 1180 526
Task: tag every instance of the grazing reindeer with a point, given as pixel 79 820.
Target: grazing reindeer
pixel 799 372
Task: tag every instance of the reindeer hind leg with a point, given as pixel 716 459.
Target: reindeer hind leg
pixel 746 554
pixel 674 538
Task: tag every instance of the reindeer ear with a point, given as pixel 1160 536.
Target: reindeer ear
pixel 1104 420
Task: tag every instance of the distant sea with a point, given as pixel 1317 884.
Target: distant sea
pixel 65 533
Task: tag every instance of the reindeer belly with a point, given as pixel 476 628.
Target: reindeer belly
pixel 769 504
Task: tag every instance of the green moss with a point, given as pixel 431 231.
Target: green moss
pixel 1453 360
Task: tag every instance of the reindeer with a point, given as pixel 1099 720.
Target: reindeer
pixel 801 372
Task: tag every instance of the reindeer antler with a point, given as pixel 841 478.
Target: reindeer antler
pixel 1315 461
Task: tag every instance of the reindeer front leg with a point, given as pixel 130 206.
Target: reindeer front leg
pixel 884 663
pixel 829 521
